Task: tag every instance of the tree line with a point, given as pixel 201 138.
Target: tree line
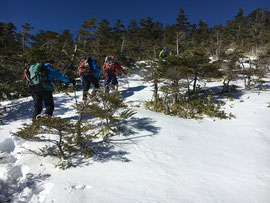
pixel 140 40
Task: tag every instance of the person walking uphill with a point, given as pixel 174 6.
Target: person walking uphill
pixel 40 81
pixel 109 71
pixel 165 52
pixel 88 70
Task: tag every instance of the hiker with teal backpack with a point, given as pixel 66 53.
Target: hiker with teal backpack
pixel 88 70
pixel 109 71
pixel 40 78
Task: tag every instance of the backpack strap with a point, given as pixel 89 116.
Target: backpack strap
pixel 39 74
pixel 26 74
pixel 109 67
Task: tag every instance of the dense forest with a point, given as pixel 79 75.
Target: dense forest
pixel 192 46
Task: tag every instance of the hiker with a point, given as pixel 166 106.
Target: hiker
pixel 109 71
pixel 165 52
pixel 40 82
pixel 88 70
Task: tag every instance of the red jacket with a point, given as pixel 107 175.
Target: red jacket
pixel 115 65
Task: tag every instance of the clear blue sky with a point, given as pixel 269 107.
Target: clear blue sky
pixel 57 15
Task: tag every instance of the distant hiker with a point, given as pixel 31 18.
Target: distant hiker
pixel 88 70
pixel 40 82
pixel 109 71
pixel 165 52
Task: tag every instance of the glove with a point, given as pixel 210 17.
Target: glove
pixel 73 82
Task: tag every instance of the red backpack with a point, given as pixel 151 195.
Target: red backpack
pixel 84 68
pixel 109 64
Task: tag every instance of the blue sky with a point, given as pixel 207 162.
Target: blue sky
pixel 58 15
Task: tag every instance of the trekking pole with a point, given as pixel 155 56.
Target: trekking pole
pixel 127 81
pixel 74 90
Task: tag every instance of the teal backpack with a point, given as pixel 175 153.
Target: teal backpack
pixel 36 76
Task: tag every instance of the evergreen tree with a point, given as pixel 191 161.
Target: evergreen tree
pixel 104 43
pixel 119 36
pixel 11 63
pixel 133 41
pixel 182 23
pixel 217 44
pixel 62 134
pixel 255 18
pixel 45 41
pixel 202 33
pixel 241 28
pixel 152 74
pixel 8 40
pixel 150 34
pixel 108 110
pixel 170 39
pixel 25 38
pixel 140 41
pixel 182 30
pixel 86 37
pixel 229 65
pixel 198 63
pixel 174 70
pixel 64 53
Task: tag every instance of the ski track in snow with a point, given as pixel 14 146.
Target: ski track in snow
pixel 163 158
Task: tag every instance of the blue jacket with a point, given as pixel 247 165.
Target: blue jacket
pixel 93 65
pixel 54 74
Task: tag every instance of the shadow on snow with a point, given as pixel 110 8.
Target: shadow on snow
pixel 107 151
pixel 24 110
pixel 13 189
pixel 130 91
pixel 217 92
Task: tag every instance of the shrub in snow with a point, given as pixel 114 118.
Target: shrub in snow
pixel 229 66
pixel 107 111
pixel 63 134
pixel 191 107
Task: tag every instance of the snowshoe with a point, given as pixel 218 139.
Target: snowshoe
pixel 43 116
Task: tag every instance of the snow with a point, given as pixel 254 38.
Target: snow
pixel 163 159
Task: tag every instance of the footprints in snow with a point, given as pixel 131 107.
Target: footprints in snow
pixel 72 187
pixel 17 184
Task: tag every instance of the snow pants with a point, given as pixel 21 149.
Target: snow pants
pixel 110 79
pixel 40 98
pixel 87 81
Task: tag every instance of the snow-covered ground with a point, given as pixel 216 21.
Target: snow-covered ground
pixel 163 159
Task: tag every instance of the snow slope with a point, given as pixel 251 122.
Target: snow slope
pixel 163 159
